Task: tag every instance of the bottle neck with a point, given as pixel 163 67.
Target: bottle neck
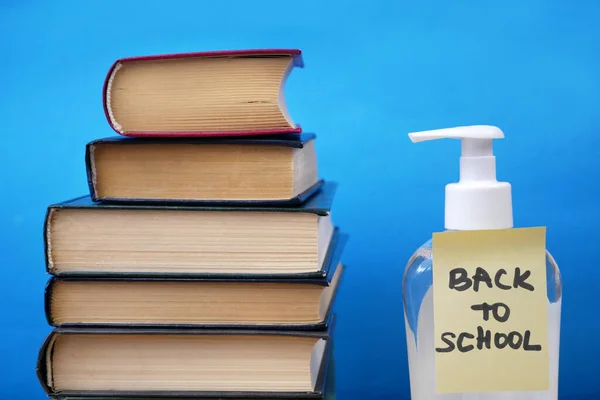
pixel 478 205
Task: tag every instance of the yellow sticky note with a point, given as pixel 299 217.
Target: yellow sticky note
pixel 490 311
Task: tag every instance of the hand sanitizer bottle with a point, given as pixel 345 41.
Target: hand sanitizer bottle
pixel 477 202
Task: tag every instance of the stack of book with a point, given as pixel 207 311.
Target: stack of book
pixel 204 261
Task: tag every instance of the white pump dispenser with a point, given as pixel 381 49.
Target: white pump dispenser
pixel 478 200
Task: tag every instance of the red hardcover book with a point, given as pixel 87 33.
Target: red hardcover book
pixel 217 93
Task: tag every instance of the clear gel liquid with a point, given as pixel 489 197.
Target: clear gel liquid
pixel 418 313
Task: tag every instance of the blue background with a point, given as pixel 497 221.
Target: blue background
pixel 374 72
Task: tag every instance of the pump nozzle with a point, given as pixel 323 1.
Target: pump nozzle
pixel 459 132
pixel 478 200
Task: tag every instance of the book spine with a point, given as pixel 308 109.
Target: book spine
pixel 43 362
pixel 48 301
pixel 105 95
pixel 89 171
pixel 46 239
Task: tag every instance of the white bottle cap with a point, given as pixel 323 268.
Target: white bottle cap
pixel 478 200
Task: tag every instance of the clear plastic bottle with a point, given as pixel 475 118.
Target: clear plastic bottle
pixel 477 201
pixel 418 311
